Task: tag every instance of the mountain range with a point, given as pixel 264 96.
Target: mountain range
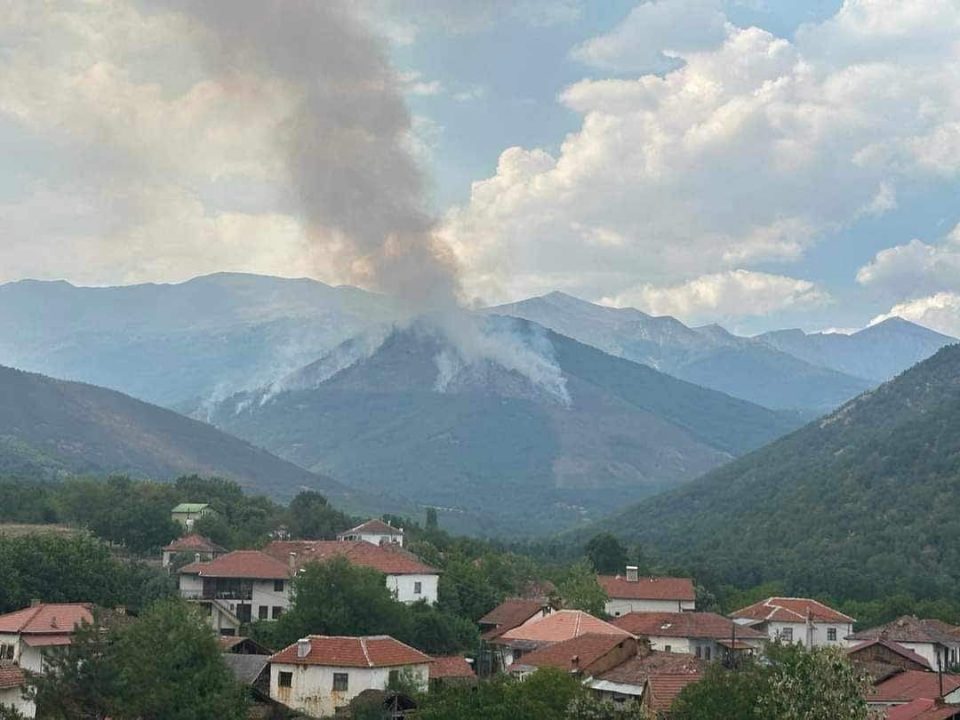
pixel 865 497
pixel 500 450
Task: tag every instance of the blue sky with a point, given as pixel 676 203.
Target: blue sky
pixel 759 163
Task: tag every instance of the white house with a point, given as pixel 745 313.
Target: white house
pixel 237 588
pixel 935 641
pixel 375 532
pixel 543 630
pixel 319 674
pixel 196 546
pixel 12 685
pixel 797 620
pixel 632 593
pixel 409 579
pixel 188 513
pixel 707 636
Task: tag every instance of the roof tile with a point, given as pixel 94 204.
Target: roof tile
pixel 558 626
pixel 251 564
pixel 388 559
pixel 648 588
pixel 684 625
pixel 49 618
pixel 788 609
pixel 910 685
pixel 587 649
pixel 361 652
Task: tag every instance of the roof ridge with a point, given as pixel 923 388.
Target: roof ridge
pixel 366 655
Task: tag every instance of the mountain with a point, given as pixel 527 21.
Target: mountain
pixel 179 345
pixel 878 352
pixel 708 356
pixel 51 428
pixel 548 433
pixel 861 501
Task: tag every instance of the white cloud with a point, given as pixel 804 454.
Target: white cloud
pixel 939 312
pixel 750 152
pixel 719 295
pixel 914 269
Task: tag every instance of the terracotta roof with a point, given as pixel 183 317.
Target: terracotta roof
pixel 251 564
pixel 11 677
pixel 451 666
pixel 662 689
pixel 558 626
pixel 587 649
pixel 684 625
pixel 361 652
pixel 389 559
pixel 47 618
pixel 648 588
pixel 47 640
pixel 893 647
pixel 910 685
pixel 509 614
pixel 911 629
pixel 194 543
pixel 636 670
pixel 230 643
pixel 373 527
pixel 791 610
pixel 923 709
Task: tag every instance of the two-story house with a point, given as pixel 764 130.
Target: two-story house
pixel 197 547
pixel 797 620
pixel 320 674
pixel 935 641
pixel 708 636
pixel 631 593
pixel 375 532
pixel 511 645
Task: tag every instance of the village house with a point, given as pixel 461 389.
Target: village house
pixel 802 621
pixel 197 547
pixel 451 670
pixel 924 709
pixel 883 658
pixel 632 593
pixel 409 579
pixel 583 656
pixel 375 532
pixel 706 635
pixel 319 674
pixel 511 645
pixel 511 613
pixel 911 685
pixel 188 513
pixel 651 678
pixel 12 685
pixel 935 641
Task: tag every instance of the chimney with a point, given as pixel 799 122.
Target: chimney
pixel 292 561
pixel 575 663
pixel 36 602
pixel 196 557
pixel 303 646
pixel 633 573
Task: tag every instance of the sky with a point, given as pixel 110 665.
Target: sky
pixel 757 163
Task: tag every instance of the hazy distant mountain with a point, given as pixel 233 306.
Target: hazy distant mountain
pixel 877 353
pixel 708 356
pixel 864 498
pixel 50 428
pixel 410 416
pixel 179 344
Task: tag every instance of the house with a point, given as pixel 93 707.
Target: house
pixel 558 626
pixel 802 621
pixel 661 689
pixel 584 656
pixel 630 680
pixel 198 547
pixel 511 613
pixel 319 674
pixel 25 635
pixel 13 683
pixel 375 532
pixel 924 709
pixel 706 635
pixel 632 593
pixel 451 670
pixel 910 685
pixel 936 642
pixel 238 587
pixel 236 645
pixel 188 513
pixel 882 658
pixel 409 579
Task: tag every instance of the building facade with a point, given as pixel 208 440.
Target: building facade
pixel 801 621
pixel 631 593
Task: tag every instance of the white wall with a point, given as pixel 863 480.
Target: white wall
pixel 378 539
pixel 616 607
pixel 312 692
pixel 402 587
pixel 14 697
pixel 820 633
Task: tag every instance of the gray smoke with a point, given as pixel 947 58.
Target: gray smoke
pixel 360 191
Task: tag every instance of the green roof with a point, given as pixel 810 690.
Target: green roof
pixel 190 507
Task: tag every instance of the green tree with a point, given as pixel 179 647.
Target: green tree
pixel 312 518
pixel 581 591
pixel 432 523
pixel 590 707
pixel 722 694
pixel 606 553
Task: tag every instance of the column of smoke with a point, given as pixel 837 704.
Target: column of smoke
pixel 360 191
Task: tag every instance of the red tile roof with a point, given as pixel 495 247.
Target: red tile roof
pixel 560 625
pixel 575 654
pixel 510 614
pixel 388 559
pixel 373 527
pixel 251 564
pixel 923 709
pixel 636 670
pixel 648 588
pixel 662 689
pixel 893 647
pixel 684 625
pixel 791 610
pixel 11 677
pixel 360 652
pixel 913 630
pixel 194 543
pixel 910 685
pixel 451 666
pixel 47 618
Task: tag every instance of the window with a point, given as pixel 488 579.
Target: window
pixel 262 612
pixel 285 679
pixel 667 648
pixel 699 651
pixel 393 677
pixel 831 634
pixel 786 634
pixel 6 652
pixel 278 585
pixel 341 682
pixel 417 588
pixel 277 611
pixel 707 653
